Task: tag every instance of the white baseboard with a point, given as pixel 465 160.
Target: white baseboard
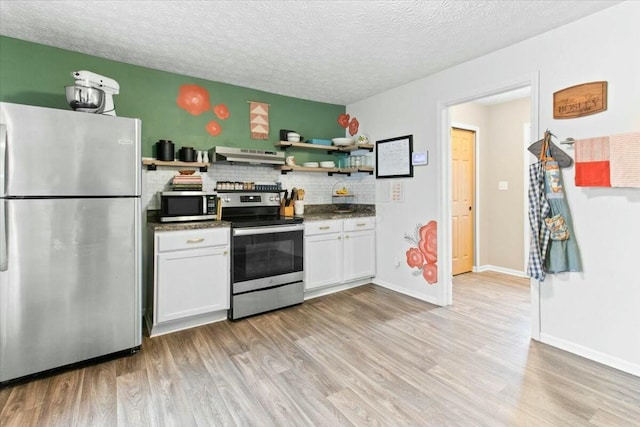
pixel 596 356
pixel 497 269
pixel 315 293
pixel 427 298
pixel 186 323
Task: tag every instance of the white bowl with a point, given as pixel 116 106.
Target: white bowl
pixel 328 164
pixel 342 141
pixel 293 137
pixel 310 164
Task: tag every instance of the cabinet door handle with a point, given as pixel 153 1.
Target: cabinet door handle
pixel 326 227
pixel 361 224
pixel 200 240
pixel 225 252
pixel 346 237
pixel 339 237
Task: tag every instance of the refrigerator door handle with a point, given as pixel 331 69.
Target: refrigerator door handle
pixel 4 258
pixel 3 158
pixel 4 262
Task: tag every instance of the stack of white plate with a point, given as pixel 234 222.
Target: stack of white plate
pixel 310 164
pixel 342 141
pixel 328 164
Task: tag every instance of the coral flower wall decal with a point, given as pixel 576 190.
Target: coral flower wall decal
pixel 347 121
pixel 424 256
pixel 353 126
pixel 343 120
pixel 415 259
pixel 194 99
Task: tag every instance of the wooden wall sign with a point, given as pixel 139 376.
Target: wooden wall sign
pixel 581 100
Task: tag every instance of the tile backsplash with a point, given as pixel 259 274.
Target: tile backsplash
pixel 318 186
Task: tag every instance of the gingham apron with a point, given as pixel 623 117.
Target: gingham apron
pixel 539 209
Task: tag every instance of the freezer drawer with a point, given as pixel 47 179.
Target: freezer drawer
pixel 72 284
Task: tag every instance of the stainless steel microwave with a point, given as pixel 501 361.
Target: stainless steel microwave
pixel 178 206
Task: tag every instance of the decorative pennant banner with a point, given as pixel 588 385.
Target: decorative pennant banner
pixel 259 120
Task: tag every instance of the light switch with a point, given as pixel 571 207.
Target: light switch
pixel 503 185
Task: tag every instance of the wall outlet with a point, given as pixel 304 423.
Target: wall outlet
pixel 503 185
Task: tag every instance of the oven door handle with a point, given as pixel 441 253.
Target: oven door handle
pixel 250 231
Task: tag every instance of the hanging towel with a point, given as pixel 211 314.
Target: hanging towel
pixel 625 160
pixel 592 162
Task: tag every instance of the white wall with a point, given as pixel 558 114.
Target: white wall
pixel 595 313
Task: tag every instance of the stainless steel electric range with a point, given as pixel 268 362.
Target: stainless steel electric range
pixel 266 253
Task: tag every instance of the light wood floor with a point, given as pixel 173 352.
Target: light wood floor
pixel 367 356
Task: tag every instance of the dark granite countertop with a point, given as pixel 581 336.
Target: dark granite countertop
pixel 323 212
pixel 154 224
pixel 311 213
pixel 181 226
pixel 334 215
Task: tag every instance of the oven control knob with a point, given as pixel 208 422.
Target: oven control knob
pixel 227 199
pixel 274 199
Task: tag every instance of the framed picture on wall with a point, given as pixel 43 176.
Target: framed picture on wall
pixel 393 157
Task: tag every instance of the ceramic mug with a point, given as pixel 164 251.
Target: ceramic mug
pixel 298 207
pixel 291 160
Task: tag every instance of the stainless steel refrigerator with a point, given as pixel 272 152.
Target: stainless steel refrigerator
pixel 70 235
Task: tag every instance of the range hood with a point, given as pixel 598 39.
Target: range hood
pixel 246 155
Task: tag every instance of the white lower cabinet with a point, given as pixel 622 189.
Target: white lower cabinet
pixel 322 253
pixel 338 251
pixel 359 248
pixel 191 278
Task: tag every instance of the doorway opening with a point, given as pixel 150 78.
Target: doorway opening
pixel 499 194
pixel 488 186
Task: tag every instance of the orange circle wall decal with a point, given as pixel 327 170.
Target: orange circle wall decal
pixel 194 99
pixel 221 111
pixel 213 128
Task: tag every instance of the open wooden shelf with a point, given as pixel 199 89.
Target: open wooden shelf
pixel 152 164
pixel 286 168
pixel 345 171
pixel 331 149
pixel 283 145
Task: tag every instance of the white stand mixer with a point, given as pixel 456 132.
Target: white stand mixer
pixel 84 97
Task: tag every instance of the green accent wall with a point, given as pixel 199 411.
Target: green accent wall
pixel 36 74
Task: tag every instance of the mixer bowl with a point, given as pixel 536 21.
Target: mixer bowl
pixel 85 98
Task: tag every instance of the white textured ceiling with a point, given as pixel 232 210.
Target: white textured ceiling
pixel 331 51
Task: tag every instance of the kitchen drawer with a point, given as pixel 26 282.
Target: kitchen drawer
pixel 357 224
pixel 322 227
pixel 191 239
